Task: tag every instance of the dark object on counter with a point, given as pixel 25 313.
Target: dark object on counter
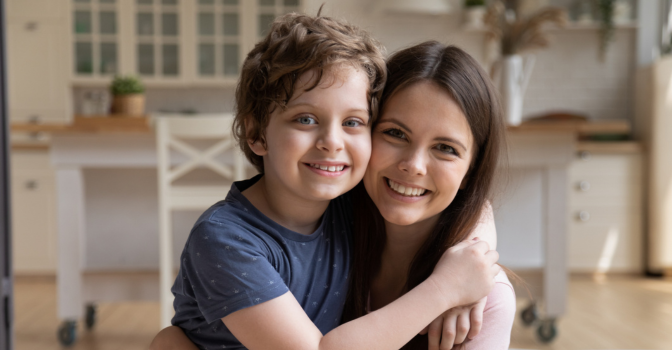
pixel 559 116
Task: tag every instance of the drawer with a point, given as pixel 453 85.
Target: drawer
pixel 593 190
pixel 611 234
pixel 603 166
pixel 31 163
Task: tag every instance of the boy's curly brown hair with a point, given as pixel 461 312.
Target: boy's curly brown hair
pixel 296 44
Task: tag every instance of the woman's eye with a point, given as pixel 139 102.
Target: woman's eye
pixel 395 133
pixel 352 123
pixel 306 120
pixel 446 149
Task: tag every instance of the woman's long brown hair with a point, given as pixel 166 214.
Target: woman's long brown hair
pixel 468 85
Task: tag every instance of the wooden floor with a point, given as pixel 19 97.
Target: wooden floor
pixel 619 313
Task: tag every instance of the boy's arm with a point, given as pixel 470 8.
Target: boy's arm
pixel 172 338
pixel 463 275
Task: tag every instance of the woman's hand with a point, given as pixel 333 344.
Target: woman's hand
pixel 455 326
pixel 172 338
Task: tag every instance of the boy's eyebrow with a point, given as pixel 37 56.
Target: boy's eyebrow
pixel 315 106
pixel 442 138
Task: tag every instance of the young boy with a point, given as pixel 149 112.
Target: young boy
pixel 306 99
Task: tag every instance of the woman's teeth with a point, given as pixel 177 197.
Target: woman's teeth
pixel 406 191
pixel 328 168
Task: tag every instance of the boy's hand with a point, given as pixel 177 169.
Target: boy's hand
pixel 455 326
pixel 465 273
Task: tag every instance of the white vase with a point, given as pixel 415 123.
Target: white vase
pixel 515 74
pixel 473 17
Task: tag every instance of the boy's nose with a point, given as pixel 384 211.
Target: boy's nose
pixel 330 140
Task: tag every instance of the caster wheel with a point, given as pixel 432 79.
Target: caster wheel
pixel 547 331
pixel 90 316
pixel 529 315
pixel 67 333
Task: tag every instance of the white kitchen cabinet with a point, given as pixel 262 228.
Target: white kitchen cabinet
pixel 38 82
pixel 33 212
pixel 168 42
pixel 606 211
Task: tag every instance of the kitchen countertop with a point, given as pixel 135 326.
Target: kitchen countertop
pixel 127 124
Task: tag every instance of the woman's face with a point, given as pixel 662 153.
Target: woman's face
pixel 422 149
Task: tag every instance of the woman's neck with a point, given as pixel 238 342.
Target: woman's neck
pixel 401 246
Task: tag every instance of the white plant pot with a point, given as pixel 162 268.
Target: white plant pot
pixel 515 74
pixel 473 16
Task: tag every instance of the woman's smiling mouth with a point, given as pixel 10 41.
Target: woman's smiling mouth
pixel 404 190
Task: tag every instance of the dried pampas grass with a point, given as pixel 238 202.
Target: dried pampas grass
pixel 516 34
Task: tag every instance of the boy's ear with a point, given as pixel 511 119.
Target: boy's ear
pixel 258 146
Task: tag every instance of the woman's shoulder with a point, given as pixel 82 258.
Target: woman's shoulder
pixel 502 296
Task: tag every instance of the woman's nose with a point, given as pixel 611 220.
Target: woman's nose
pixel 414 163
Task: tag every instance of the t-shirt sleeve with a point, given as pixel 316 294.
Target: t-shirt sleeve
pixel 498 316
pixel 226 268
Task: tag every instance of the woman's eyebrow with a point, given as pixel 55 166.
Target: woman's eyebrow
pixel 452 140
pixel 395 121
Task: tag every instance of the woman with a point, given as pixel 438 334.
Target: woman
pixel 435 150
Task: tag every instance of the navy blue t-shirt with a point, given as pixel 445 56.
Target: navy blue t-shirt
pixel 236 257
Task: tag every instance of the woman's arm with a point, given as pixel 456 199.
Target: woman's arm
pixel 500 311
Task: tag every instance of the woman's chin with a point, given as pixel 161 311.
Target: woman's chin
pixel 399 218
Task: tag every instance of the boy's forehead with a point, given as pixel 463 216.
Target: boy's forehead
pixel 336 74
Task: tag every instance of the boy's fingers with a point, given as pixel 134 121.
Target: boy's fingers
pixel 492 256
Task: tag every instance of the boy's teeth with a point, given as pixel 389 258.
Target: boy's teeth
pixel 406 191
pixel 328 168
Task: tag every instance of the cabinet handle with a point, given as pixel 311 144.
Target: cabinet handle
pixel 583 216
pixel 31 184
pixel 583 186
pixel 31 26
pixel 584 155
pixel 34 119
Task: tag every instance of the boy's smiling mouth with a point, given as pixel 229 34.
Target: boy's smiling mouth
pixel 328 169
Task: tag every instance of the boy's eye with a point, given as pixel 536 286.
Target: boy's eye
pixel 306 120
pixel 395 133
pixel 446 149
pixel 352 123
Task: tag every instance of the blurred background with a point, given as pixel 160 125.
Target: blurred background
pixel 584 216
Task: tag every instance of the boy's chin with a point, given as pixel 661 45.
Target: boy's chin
pixel 328 192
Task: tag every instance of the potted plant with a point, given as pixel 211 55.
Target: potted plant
pixel 517 34
pixel 474 10
pixel 128 96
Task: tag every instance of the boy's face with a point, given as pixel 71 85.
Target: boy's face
pixel 319 146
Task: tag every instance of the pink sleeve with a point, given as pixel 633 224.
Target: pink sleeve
pixel 500 310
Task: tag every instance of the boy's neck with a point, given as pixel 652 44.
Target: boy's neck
pixel 286 208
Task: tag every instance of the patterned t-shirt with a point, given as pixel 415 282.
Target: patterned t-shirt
pixel 236 257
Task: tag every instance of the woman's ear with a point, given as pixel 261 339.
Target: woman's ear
pixel 464 182
pixel 257 146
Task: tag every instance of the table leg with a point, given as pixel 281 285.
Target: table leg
pixel 555 270
pixel 70 210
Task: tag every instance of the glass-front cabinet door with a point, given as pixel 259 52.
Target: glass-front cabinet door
pixel 218 38
pixel 268 10
pixel 174 42
pixel 158 36
pixel 95 38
